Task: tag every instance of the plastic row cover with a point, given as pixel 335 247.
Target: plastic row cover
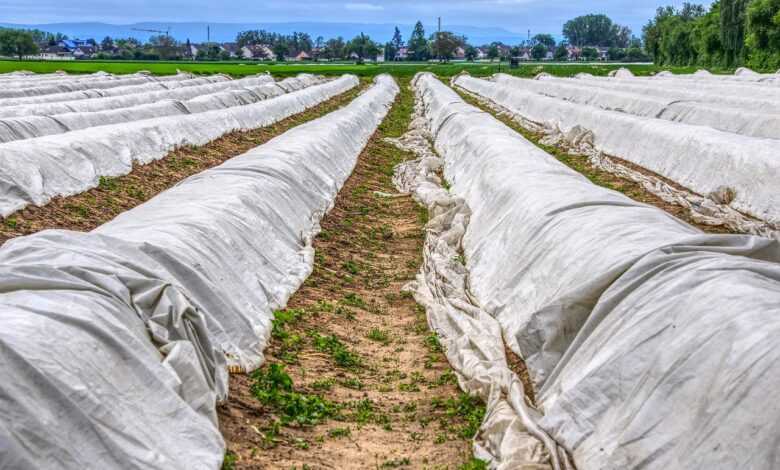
pixel 55 79
pixel 120 87
pixel 747 89
pixel 717 116
pixel 704 160
pixel 126 376
pixel 652 89
pixel 742 74
pixel 653 344
pixel 82 104
pixel 69 85
pixel 35 170
pixel 27 127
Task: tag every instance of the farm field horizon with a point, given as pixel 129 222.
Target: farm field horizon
pixel 402 69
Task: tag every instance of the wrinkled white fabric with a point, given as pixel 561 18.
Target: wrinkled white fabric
pixel 509 436
pixel 670 108
pixel 752 102
pixel 35 170
pixel 701 159
pixel 765 89
pixel 118 87
pixel 27 127
pixel 218 83
pixel 113 344
pixel 651 343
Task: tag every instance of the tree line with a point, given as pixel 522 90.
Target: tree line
pixel 730 33
pixel 588 37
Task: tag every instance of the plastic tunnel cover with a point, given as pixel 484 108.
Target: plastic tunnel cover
pixel 651 344
pixel 35 170
pixel 160 299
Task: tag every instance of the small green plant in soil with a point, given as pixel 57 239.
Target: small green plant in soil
pixel 274 388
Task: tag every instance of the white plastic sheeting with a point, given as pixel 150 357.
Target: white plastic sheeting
pixel 35 170
pixel 701 159
pixel 647 88
pixel 742 74
pixel 160 299
pixel 509 436
pixel 143 86
pixel 652 344
pixel 752 103
pixel 69 85
pixel 27 127
pixel 725 118
pixel 54 79
pixel 739 88
pixel 84 105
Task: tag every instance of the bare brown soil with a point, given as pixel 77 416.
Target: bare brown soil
pixel 600 177
pixel 397 402
pixel 88 210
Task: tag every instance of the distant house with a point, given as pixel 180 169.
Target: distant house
pixel 258 52
pixel 460 54
pixel 574 53
pixel 55 53
pixel 482 53
pixel 84 52
pixel 302 56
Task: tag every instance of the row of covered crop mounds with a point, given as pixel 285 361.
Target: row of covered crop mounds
pixel 704 160
pixel 202 98
pixel 162 300
pixel 37 169
pixel 116 88
pixel 130 96
pixel 735 113
pixel 651 344
pixel 742 74
pixel 35 91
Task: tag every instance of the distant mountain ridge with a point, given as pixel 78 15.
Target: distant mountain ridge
pixel 226 32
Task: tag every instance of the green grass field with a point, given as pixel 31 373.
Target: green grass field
pixel 237 69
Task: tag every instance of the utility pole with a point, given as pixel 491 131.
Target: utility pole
pixel 438 43
pixel 208 34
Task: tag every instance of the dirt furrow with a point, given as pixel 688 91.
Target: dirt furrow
pixel 355 378
pixel 113 196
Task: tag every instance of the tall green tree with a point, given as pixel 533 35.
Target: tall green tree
pixel 445 43
pixel 763 34
pixel 596 30
pixel 17 43
pixel 395 44
pixel 732 29
pixel 418 44
pixel 362 46
pixel 539 51
pixel 546 40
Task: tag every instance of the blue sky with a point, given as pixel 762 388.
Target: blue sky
pixel 514 15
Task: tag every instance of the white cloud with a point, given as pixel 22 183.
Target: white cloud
pixel 363 7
